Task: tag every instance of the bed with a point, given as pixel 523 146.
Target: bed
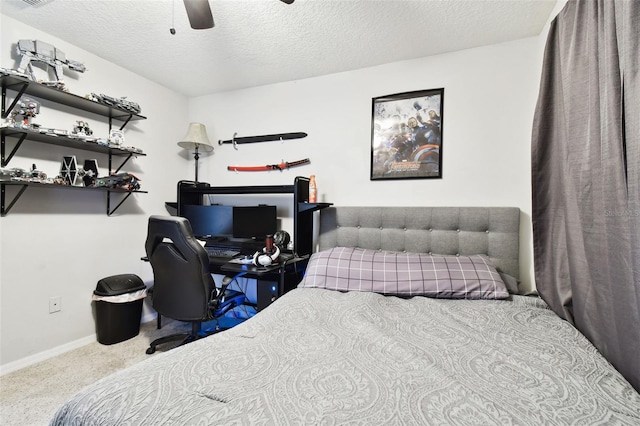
pixel 349 346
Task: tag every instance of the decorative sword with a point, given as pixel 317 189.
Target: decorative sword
pixel 268 167
pixel 262 138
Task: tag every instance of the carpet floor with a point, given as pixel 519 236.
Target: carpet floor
pixel 30 396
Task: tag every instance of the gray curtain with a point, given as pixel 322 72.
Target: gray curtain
pixel 585 176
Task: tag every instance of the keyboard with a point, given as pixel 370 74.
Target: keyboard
pixel 222 251
pixel 214 240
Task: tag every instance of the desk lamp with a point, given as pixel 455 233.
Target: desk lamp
pixel 196 140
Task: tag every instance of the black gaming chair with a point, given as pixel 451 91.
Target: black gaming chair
pixel 183 288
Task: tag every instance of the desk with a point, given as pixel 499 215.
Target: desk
pixel 192 193
pixel 272 281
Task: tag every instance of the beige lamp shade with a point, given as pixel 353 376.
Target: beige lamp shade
pixel 197 141
pixel 196 138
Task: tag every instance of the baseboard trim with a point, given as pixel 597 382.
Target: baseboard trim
pixel 58 350
pixel 42 356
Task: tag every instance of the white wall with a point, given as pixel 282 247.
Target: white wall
pixel 489 99
pixel 61 242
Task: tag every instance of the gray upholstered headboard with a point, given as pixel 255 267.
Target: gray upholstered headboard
pixel 493 231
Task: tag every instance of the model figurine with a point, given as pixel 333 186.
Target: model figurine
pixel 8 71
pixel 82 128
pixel 121 103
pixel 36 50
pixel 126 181
pixel 27 109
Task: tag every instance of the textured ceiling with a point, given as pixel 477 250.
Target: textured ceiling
pixel 257 42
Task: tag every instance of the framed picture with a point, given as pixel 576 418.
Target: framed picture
pixel 406 135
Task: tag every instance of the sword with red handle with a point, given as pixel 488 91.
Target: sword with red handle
pixel 268 167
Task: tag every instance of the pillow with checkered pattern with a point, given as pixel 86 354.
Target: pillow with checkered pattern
pixel 404 274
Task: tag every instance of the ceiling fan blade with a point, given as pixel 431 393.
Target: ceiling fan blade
pixel 287 1
pixel 199 14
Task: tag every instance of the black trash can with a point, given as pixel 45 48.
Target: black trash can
pixel 117 321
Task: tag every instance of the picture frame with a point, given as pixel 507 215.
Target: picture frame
pixel 406 135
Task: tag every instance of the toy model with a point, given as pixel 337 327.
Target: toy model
pixel 68 170
pixel 36 50
pixel 121 103
pixel 26 108
pixel 36 175
pixel 126 181
pixel 82 128
pixel 89 172
pixel 11 174
pixel 116 137
pixel 21 175
pixel 7 71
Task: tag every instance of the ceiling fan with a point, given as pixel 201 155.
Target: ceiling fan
pixel 200 16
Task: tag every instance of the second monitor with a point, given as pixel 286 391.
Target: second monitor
pixel 254 222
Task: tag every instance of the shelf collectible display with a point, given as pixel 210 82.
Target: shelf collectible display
pixel 39 51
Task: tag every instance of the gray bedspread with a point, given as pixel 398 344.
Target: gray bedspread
pixel 321 357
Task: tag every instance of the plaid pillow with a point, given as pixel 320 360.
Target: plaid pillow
pixel 404 274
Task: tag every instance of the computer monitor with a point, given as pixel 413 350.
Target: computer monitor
pixel 254 222
pixel 215 220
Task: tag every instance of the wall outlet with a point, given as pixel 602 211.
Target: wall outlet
pixel 55 304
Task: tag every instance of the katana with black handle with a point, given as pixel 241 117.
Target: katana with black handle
pixel 262 138
pixel 268 167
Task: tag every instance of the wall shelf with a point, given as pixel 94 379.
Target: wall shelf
pixel 63 141
pixel 23 185
pixel 24 86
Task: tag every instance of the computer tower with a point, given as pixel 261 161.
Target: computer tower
pixel 267 292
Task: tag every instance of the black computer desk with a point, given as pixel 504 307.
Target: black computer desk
pixel 271 281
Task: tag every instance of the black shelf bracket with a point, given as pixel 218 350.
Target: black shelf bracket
pixel 122 164
pixel 125 122
pixel 110 212
pixel 6 111
pixel 7 159
pixel 4 209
